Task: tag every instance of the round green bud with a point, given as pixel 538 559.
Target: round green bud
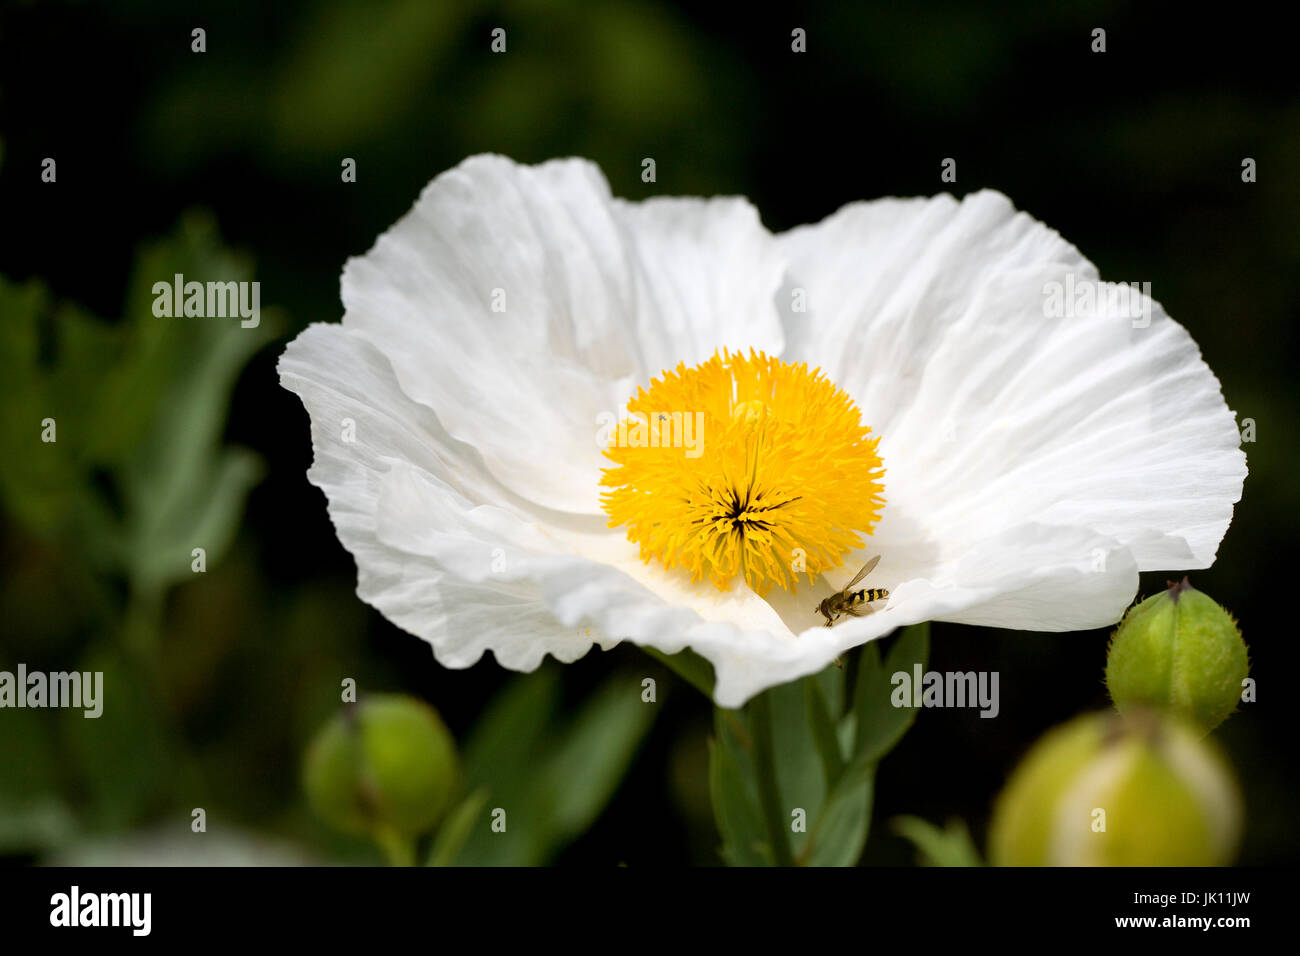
pixel 1107 791
pixel 385 765
pixel 1181 653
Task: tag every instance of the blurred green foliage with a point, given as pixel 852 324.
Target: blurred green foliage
pixel 118 469
pixel 552 774
pixel 533 780
pixel 947 846
pixel 136 475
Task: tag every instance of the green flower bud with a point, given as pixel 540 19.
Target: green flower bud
pixel 384 766
pixel 1107 791
pixel 1181 653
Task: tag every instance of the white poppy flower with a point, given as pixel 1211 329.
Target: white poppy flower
pixel 1033 461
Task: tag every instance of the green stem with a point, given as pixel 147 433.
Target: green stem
pixel 399 850
pixel 769 795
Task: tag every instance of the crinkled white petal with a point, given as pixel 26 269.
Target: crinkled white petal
pixel 598 587
pixel 525 306
pixel 449 555
pixel 362 424
pixel 1034 464
pixel 706 274
pixel 933 314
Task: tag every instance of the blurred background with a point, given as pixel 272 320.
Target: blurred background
pixel 228 162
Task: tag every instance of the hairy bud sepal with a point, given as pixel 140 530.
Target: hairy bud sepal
pixel 385 767
pixel 1181 653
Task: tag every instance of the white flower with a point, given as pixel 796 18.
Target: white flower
pixel 1034 461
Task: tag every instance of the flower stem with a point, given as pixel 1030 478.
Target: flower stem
pixel 399 850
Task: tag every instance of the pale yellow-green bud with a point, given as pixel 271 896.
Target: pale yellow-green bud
pixel 385 766
pixel 1103 790
pixel 1181 653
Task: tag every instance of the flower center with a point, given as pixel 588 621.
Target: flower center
pixel 744 465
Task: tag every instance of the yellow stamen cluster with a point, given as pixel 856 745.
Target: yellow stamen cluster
pixel 744 465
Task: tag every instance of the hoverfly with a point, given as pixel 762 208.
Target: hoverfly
pixel 848 601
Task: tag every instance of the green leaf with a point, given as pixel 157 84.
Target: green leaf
pixel 731 790
pixel 583 772
pixel 839 834
pixel 689 666
pixel 502 743
pixel 881 725
pixel 456 828
pixel 797 752
pixel 950 846
pixel 776 811
pixel 786 753
pixel 551 781
pixel 181 487
pixel 824 733
pixel 791 750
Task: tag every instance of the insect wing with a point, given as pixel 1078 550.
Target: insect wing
pixel 866 569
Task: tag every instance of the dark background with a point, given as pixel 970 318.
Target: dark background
pixel 1134 155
